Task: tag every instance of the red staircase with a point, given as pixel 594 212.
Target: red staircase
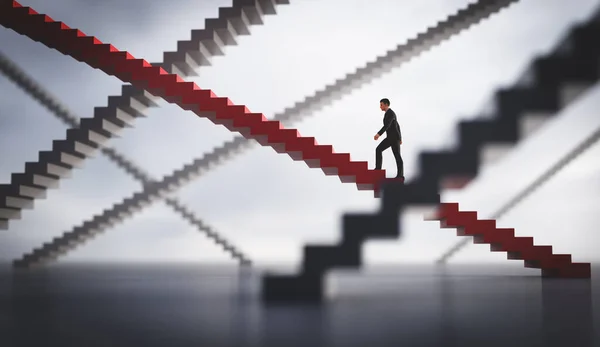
pixel 504 240
pixel 187 95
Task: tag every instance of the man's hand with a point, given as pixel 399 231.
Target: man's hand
pixel 400 141
pixel 376 137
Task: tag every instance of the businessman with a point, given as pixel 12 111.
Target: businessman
pixel 393 138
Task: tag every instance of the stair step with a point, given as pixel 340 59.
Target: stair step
pixel 9 213
pixel 180 63
pixel 477 227
pixel 125 108
pixel 224 29
pixel 496 235
pixel 195 50
pixel 17 202
pixel 74 148
pixel 141 95
pixel 61 159
pixel 575 270
pixel 87 137
pixel 48 169
pixel 238 18
pixel 451 170
pixel 455 219
pixel 475 133
pixel 268 6
pixel 296 149
pixel 211 40
pixel 292 289
pixel 512 245
pixel 560 70
pixel 106 127
pixel 252 10
pixel 318 258
pixel 114 112
pixel 21 191
pixel 444 210
pixel 535 253
pixel 555 261
pixel 34 181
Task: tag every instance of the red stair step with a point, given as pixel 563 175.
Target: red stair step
pixel 476 227
pixel 360 173
pixel 337 164
pixel 280 139
pixel 261 131
pixel 537 252
pixel 313 156
pixel 458 219
pixel 244 124
pixel 296 148
pixel 556 261
pixel 497 235
pixel 513 244
pixel 444 210
pixel 575 270
pixel 504 240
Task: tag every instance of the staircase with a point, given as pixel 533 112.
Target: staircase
pixel 122 111
pixel 549 84
pixel 560 164
pixel 61 111
pixel 189 96
pixel 307 286
pixel 443 30
pixel 357 228
pixel 504 240
pixel 574 62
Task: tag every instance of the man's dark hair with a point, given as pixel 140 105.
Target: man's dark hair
pixel 385 101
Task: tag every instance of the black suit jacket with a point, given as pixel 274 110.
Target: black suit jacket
pixel 391 126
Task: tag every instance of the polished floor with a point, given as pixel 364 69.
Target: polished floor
pixel 197 305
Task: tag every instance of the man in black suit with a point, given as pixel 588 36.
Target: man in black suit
pixel 393 138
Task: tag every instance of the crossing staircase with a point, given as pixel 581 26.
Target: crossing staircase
pixel 122 111
pixel 504 240
pixel 403 53
pixel 62 112
pixel 318 259
pixel 202 102
pixel 574 62
pixel 307 285
pixel 445 29
pixel 550 83
pixel 452 25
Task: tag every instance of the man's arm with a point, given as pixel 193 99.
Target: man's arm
pixel 388 119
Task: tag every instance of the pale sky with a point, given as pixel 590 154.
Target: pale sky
pixel 266 204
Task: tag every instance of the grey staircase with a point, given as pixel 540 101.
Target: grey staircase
pixel 123 110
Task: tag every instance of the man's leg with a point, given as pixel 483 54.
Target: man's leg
pixel 399 162
pixel 385 144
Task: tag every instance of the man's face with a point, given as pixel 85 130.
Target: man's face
pixel 382 106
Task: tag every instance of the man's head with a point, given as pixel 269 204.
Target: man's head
pixel 384 104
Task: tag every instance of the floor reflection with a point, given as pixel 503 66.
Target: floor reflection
pixel 568 312
pixel 199 306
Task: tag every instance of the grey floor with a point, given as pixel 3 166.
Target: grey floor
pixel 199 305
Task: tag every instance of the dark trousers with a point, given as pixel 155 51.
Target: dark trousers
pixel 385 144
